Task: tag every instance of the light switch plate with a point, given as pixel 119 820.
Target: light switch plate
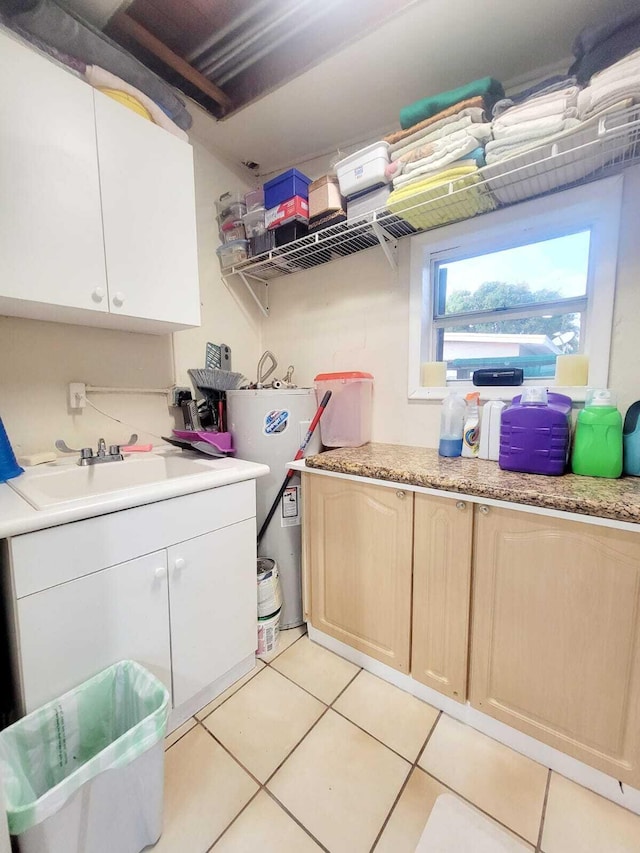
pixel 77 395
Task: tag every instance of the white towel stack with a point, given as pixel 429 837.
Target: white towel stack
pixel 618 82
pixel 531 123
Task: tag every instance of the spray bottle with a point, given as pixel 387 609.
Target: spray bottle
pixel 471 433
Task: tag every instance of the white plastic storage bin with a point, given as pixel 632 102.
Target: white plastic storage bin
pixel 363 207
pixel 85 773
pixel 346 421
pixel 363 169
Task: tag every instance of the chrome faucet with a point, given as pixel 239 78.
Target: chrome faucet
pixel 87 456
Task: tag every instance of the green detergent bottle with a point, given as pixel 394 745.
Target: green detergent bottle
pixel 597 445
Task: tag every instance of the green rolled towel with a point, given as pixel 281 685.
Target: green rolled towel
pixel 488 88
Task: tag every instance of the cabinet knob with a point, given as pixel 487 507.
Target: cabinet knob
pixel 97 294
pixel 400 494
pixel 118 299
pixel 484 510
pixel 179 563
pixel 461 505
pixel 160 573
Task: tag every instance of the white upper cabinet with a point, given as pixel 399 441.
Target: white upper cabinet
pixel 51 247
pixel 97 205
pixel 148 210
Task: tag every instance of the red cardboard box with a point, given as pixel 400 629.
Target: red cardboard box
pixel 288 211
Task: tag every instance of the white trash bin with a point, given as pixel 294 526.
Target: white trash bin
pixel 85 773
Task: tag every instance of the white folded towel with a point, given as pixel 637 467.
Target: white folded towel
pixel 562 103
pixel 594 99
pixel 474 113
pixel 533 129
pixel 500 149
pixel 445 130
pixel 436 162
pixel 626 67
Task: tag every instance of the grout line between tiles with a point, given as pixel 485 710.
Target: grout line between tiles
pixel 282 651
pixel 405 783
pixel 294 818
pixel 228 751
pixel 544 814
pixel 480 809
pixel 244 808
pixel 184 734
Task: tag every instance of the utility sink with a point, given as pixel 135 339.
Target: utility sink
pixel 65 483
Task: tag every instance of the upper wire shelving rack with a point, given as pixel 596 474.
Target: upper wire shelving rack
pixel 604 147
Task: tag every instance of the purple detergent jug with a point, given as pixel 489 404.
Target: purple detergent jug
pixel 535 433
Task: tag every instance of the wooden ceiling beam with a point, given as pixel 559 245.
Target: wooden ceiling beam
pixel 130 27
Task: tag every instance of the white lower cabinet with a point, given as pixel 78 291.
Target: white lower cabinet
pixel 78 628
pixel 212 595
pixel 184 608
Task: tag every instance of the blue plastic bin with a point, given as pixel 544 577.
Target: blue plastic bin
pixel 286 186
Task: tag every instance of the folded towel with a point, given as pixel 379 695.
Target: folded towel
pixel 101 79
pixel 545 87
pixel 470 115
pixel 501 149
pixel 488 88
pixel 469 107
pixel 562 103
pixel 436 162
pixel 621 80
pixel 430 134
pixel 533 129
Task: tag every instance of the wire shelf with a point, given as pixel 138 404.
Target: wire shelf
pixel 596 149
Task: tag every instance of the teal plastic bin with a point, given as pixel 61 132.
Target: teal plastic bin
pixel 85 773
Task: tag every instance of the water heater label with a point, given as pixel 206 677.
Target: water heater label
pixel 276 421
pixel 290 507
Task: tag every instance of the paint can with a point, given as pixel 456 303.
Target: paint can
pixel 269 588
pixel 268 633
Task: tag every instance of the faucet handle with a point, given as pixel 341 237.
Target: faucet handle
pixel 62 447
pixel 102 447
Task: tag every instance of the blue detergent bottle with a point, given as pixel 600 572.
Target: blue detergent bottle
pixel 452 416
pixel 8 465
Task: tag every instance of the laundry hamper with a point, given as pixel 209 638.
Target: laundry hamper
pixel 85 773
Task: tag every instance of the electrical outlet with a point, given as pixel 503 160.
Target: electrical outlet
pixel 77 395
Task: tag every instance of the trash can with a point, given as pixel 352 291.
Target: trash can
pixel 85 773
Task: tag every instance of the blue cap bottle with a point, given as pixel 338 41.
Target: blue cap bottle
pixel 8 465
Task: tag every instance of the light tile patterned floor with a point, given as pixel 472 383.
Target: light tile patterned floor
pixel 308 752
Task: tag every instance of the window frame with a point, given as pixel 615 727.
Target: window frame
pixel 594 206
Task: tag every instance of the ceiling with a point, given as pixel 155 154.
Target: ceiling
pixel 347 83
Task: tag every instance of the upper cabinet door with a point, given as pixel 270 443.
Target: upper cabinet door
pixel 51 248
pixel 148 204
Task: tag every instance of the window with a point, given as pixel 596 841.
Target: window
pixel 517 288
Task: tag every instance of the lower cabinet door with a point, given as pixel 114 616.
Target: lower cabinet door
pixel 556 635
pixel 358 549
pixel 442 530
pixel 72 631
pixel 213 600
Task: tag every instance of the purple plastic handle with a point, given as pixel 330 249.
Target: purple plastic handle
pixel 222 440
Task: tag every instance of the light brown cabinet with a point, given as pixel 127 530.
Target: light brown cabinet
pixel 358 555
pixel 441 593
pixel 555 644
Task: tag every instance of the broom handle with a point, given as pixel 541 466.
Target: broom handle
pixel 290 472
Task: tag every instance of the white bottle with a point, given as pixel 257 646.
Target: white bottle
pixel 452 425
pixel 490 432
pixel 471 433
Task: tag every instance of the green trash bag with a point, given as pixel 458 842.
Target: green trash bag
pixel 103 724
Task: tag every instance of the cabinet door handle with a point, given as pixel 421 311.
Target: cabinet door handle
pixel 97 294
pixel 160 573
pixel 461 505
pixel 118 299
pixel 400 494
pixel 179 564
pixel 484 509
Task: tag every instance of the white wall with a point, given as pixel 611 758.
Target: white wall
pixel 352 314
pixel 38 359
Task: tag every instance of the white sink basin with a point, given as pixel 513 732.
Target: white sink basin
pixel 66 483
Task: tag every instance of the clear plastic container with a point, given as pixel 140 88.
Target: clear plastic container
pixel 254 222
pixel 234 253
pixel 230 205
pixel 452 417
pixel 254 200
pixel 346 421
pixel 235 231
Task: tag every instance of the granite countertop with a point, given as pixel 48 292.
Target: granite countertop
pixel 422 466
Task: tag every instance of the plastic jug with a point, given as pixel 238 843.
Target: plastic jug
pixel 631 441
pixel 535 433
pixel 597 445
pixel 452 418
pixel 471 432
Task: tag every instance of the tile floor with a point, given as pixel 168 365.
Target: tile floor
pixel 309 752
